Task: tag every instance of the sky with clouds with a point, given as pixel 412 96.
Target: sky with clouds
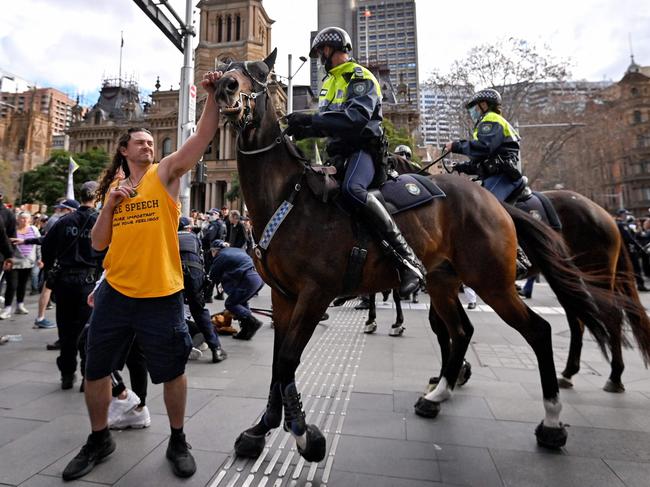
pixel 73 44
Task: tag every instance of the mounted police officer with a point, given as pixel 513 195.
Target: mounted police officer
pixel 350 116
pixel 494 147
pixel 72 268
pixel 493 154
pixel 194 281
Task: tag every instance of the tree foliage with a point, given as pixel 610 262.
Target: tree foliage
pixel 48 182
pixel 234 192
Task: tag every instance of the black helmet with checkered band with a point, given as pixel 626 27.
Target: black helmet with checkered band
pixel 331 36
pixel 490 96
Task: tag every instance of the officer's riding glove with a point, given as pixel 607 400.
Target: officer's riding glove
pixel 299 125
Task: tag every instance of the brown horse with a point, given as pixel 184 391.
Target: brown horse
pixel 467 236
pixel 592 237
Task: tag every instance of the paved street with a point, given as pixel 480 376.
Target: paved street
pixel 360 390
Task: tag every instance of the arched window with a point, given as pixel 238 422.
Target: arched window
pixel 98 118
pixel 634 91
pixel 229 28
pixel 238 30
pixel 166 147
pixel 637 116
pixel 220 28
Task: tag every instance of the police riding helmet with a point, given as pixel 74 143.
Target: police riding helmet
pixel 404 151
pixel 334 37
pixel 331 36
pixel 490 96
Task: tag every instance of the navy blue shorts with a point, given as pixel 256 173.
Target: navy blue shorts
pixel 159 324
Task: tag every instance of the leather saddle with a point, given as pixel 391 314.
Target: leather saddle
pixel 534 203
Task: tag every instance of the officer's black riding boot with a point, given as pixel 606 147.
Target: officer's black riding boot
pixel 411 271
pixel 523 264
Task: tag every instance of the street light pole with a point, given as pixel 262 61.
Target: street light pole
pixel 290 82
pixel 186 103
pixel 289 88
pixel 181 37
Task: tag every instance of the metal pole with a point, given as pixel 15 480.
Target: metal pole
pixel 367 35
pixel 290 89
pixel 186 109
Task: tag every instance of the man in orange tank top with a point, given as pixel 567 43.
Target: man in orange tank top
pixel 141 294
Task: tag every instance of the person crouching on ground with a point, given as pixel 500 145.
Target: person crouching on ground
pixel 234 269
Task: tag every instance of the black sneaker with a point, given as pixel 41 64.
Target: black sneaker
pixel 90 455
pixel 178 452
pixel 53 346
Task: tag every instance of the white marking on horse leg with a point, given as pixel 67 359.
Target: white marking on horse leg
pixel 441 393
pixel 553 408
pixel 301 441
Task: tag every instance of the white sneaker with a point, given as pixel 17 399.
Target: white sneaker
pixel 195 354
pixel 119 407
pixel 133 419
pixel 6 314
pixel 21 310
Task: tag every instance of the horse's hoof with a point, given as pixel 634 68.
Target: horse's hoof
pixel 249 446
pixel 316 445
pixel 396 330
pixel 465 373
pixel 370 328
pixel 551 437
pixel 564 383
pixel 426 408
pixel 611 386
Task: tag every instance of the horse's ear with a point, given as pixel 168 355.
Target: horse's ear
pixel 270 59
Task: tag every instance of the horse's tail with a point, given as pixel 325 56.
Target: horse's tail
pixel 548 253
pixel 627 294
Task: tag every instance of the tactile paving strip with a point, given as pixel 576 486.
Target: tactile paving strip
pixel 325 379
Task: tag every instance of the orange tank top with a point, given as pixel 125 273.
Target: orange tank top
pixel 143 258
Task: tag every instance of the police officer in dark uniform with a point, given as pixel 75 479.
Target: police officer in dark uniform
pixel 493 154
pixel 494 148
pixel 215 230
pixel 72 267
pixel 350 115
pixel 634 248
pixel 194 281
pixel 234 269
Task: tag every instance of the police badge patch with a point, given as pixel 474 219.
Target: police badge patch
pixel 360 88
pixel 412 188
pixel 486 127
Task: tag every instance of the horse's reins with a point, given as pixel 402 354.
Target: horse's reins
pixel 281 213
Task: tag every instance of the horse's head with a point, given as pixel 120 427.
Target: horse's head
pixel 240 85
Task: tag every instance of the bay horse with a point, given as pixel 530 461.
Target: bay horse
pixel 467 236
pixel 594 241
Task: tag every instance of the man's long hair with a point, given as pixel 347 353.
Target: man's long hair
pixel 119 162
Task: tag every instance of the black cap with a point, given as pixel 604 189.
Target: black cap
pixel 218 244
pixel 69 204
pixel 184 222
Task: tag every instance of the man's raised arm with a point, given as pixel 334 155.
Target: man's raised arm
pixel 185 158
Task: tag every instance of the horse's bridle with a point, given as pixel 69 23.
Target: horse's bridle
pixel 245 98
